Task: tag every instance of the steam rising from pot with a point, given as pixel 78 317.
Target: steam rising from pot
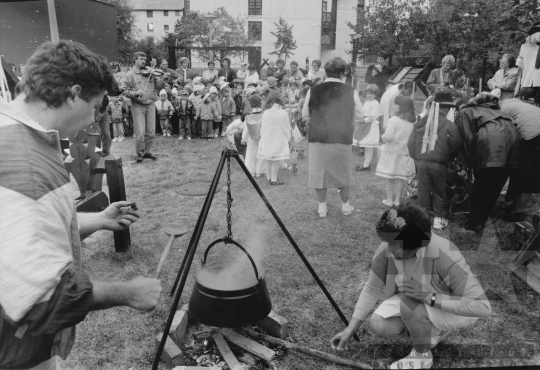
pixel 238 273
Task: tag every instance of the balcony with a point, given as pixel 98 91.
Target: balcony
pixel 328 30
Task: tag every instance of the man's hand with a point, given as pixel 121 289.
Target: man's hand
pixel 143 293
pixel 118 216
pixel 414 289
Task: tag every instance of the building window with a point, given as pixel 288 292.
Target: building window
pixel 255 7
pixel 165 13
pixel 149 13
pixel 186 5
pixel 255 30
pixel 325 6
pixel 177 13
pixel 150 27
pixel 166 27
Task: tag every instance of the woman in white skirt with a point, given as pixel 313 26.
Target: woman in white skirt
pixel 395 164
pixel 275 136
pixel 370 140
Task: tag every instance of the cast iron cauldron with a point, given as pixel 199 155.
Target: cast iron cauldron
pixel 229 308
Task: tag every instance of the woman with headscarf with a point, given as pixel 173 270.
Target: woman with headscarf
pixel 491 149
pixel 428 286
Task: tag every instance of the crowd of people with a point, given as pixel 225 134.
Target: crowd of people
pixel 492 136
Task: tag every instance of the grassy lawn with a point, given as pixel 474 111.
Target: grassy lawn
pixel 338 247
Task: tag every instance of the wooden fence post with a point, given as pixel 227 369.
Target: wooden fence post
pixel 117 192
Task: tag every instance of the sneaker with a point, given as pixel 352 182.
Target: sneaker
pixel 151 156
pixel 323 212
pixel 387 203
pixel 181 138
pixel 439 338
pixel 440 223
pixel 222 134
pixel 168 134
pixel 164 134
pixel 139 158
pixel 348 210
pixel 189 138
pixel 362 168
pixel 414 360
pixel 121 138
pixel 115 139
pixel 276 182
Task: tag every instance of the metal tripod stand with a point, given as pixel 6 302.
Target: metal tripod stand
pixel 194 242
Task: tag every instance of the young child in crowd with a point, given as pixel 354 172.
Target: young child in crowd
pixel 206 111
pixel 174 101
pixel 395 164
pixel 184 110
pixel 434 153
pixel 117 118
pixel 196 99
pixel 275 136
pixel 372 112
pixel 238 97
pixel 217 123
pixel 255 166
pixel 164 110
pixel 228 108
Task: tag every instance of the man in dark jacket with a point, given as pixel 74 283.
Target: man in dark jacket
pixel 434 154
pixel 491 149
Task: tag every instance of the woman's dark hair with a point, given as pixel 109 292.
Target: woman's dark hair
pixel 372 88
pixel 226 60
pixel 251 67
pixel 382 54
pixel 416 232
pixel 406 108
pixel 279 60
pixel 54 68
pixel 275 97
pixel 335 67
pixel 317 62
pixel 212 63
pixel 483 98
pixel 511 60
pixel 255 100
pixel 293 63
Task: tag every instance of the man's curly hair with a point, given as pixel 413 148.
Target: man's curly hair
pixel 412 214
pixel 54 68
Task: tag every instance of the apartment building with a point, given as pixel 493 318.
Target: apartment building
pixel 156 18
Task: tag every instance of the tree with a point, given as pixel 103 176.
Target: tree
pixel 151 48
pixel 519 18
pixel 126 31
pixel 285 42
pixel 194 30
pixel 387 25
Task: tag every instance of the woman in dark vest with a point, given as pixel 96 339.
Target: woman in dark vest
pixel 332 109
pixel 227 72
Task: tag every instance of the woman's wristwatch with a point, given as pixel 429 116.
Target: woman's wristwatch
pixel 433 299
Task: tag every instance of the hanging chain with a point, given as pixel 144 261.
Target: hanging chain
pixel 229 200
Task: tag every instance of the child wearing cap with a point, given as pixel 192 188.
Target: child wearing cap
pixel 164 110
pixel 117 119
pixel 228 108
pixel 238 96
pixel 217 123
pixel 185 111
pixel 196 99
pixel 206 111
pixel 433 152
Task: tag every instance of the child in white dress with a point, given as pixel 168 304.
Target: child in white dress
pixel 372 112
pixel 256 166
pixel 395 164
